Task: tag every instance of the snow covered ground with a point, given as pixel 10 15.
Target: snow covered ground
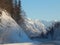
pixel 46 43
pixel 20 44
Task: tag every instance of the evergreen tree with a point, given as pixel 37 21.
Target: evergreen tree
pixel 15 11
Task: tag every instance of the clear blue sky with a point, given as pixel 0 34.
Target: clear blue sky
pixel 42 9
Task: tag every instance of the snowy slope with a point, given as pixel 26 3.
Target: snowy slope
pixel 47 23
pixel 33 28
pixel 10 31
pixel 56 30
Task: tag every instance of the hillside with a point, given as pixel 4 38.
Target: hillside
pixel 10 31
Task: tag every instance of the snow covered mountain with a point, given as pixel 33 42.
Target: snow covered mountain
pixel 10 31
pixel 33 28
pixel 46 23
pixel 38 29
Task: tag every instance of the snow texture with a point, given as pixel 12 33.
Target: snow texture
pixel 10 31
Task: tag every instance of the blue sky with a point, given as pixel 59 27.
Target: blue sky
pixel 42 9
